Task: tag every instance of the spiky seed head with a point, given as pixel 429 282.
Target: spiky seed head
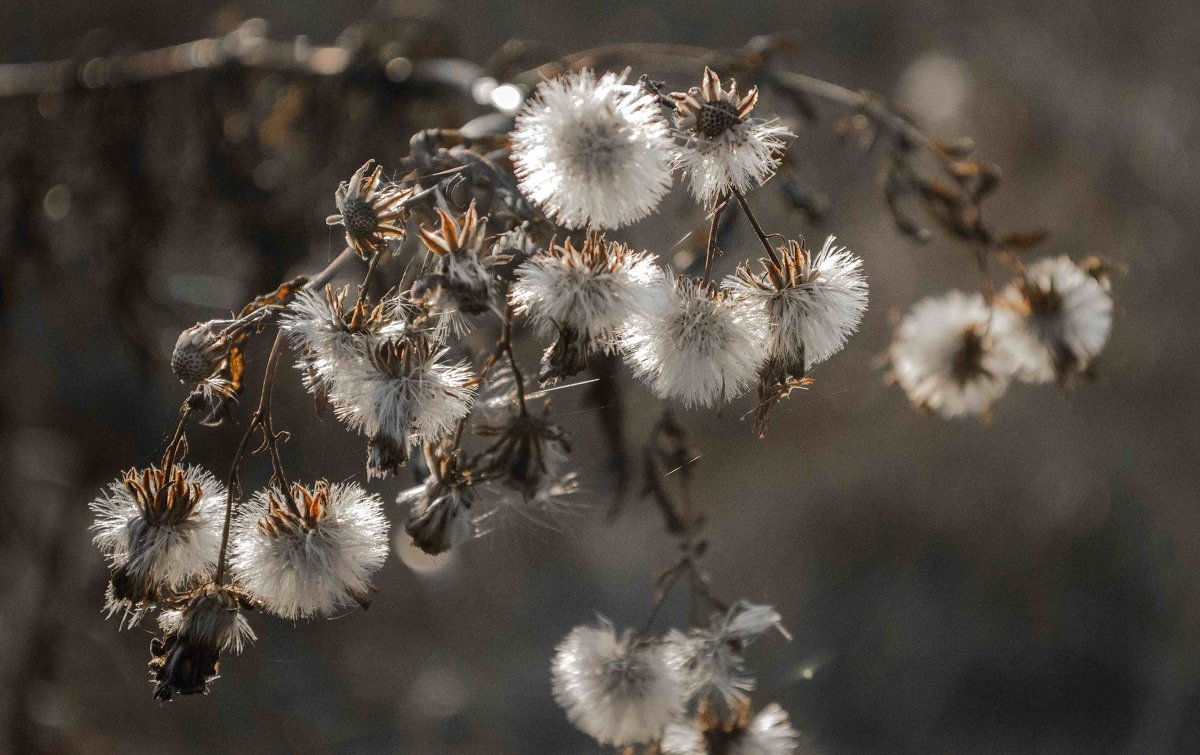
pixel 359 217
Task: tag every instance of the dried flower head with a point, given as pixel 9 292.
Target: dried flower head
pixel 528 454
pixel 947 355
pixel 311 552
pixel 582 297
pixel 207 358
pixel 1065 317
pixel 696 344
pixel 371 209
pixel 593 151
pixel 722 149
pixel 511 250
pixel 619 690
pixel 768 733
pixel 711 659
pixel 207 622
pixel 198 352
pixel 402 392
pixel 440 515
pixel 159 531
pixel 460 284
pixel 812 304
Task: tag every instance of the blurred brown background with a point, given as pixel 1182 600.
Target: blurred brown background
pixel 1023 586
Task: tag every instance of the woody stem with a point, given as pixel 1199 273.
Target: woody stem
pixel 270 438
pixel 261 419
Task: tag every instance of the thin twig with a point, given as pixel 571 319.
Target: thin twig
pixel 362 289
pixel 230 480
pixel 172 449
pixel 506 339
pixel 762 236
pixel 711 246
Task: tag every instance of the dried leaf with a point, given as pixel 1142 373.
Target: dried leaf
pixel 277 298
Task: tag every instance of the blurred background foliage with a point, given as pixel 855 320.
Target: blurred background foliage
pixel 1024 585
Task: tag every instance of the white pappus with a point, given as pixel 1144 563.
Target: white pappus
pixel 593 151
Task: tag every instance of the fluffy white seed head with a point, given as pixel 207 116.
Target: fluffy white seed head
pixel 332 335
pixel 715 170
pixel 404 391
pixel 947 355
pixel 719 146
pixel 768 733
pixel 593 151
pixel 591 290
pixel 1063 323
pixel 619 690
pixel 313 562
pixel 696 344
pixel 813 304
pixel 160 530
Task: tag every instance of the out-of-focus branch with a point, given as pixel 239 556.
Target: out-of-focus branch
pixel 246 46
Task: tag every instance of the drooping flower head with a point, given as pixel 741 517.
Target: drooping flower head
pixel 620 690
pixel 948 357
pixel 583 297
pixel 768 733
pixel 198 352
pixel 1065 317
pixel 371 209
pixel 207 358
pixel 310 553
pixel 207 622
pixel 813 304
pixel 593 151
pixel 696 344
pixel 404 391
pixel 159 531
pixel 459 286
pixel 528 454
pixel 440 509
pixel 722 149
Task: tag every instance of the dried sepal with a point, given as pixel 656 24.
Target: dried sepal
pixel 774 386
